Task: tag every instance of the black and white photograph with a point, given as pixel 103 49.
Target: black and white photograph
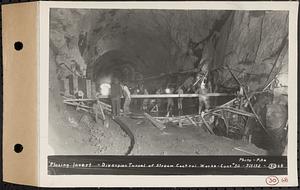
pixel 192 85
pixel 150 94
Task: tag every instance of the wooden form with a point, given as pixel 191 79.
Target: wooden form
pixel 99 110
pixel 73 83
pixel 248 100
pixel 233 110
pixel 207 126
pixel 196 120
pixel 155 122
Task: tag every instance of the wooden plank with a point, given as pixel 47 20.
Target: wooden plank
pixel 156 123
pixel 227 103
pixel 248 100
pixel 193 122
pixel 77 104
pixel 201 78
pixel 245 151
pixel 88 88
pixel 236 111
pixel 207 126
pixel 105 104
pixel 226 123
pixel 177 117
pixel 102 112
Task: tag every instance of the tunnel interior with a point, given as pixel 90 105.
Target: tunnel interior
pixel 160 49
pixel 116 64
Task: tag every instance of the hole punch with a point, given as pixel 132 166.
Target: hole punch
pixel 18 45
pixel 18 148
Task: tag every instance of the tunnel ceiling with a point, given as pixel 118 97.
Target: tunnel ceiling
pixel 156 41
pixel 153 41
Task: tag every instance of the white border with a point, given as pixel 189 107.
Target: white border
pixel 164 181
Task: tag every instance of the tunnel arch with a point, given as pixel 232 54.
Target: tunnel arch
pixel 119 63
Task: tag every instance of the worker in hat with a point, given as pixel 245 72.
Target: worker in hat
pixel 203 99
pixel 179 101
pixel 170 102
pixel 116 93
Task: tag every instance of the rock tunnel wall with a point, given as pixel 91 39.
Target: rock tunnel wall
pixel 155 42
pixel 255 46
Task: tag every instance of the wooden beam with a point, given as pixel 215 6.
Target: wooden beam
pixel 177 117
pixel 76 104
pixel 226 123
pixel 102 112
pixel 191 120
pixel 105 104
pixel 227 103
pixel 233 110
pixel 89 88
pixel 245 151
pixel 207 126
pixel 248 100
pixel 156 123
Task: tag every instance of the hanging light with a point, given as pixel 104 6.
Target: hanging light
pixel 168 90
pixel 105 89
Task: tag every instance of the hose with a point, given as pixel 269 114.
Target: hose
pixel 128 132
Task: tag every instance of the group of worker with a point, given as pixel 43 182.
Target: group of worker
pixel 119 90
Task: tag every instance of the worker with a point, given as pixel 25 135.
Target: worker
pixel 170 101
pixel 127 97
pixel 203 99
pixel 179 101
pixel 79 94
pixel 116 93
pixel 135 101
pixel 145 101
pixel 96 109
